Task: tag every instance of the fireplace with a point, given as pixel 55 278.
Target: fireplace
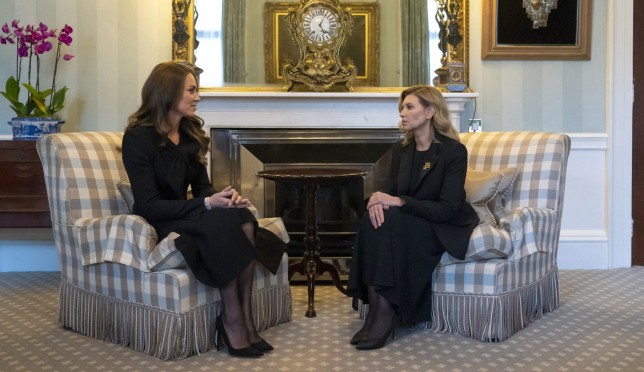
pixel 237 154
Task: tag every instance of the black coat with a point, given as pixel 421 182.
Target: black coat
pixel 439 194
pixel 399 257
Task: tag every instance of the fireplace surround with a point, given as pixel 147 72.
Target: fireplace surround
pixel 238 154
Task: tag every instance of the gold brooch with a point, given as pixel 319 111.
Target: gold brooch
pixel 427 165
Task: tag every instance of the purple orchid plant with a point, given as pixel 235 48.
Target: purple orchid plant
pixel 32 43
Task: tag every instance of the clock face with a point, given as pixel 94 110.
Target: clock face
pixel 320 25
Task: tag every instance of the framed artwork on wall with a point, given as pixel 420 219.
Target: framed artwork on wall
pixel 361 47
pixel 509 34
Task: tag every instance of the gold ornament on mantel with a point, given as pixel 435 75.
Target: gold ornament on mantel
pixel 538 11
pixel 319 28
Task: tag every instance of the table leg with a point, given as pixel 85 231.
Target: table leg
pixel 311 264
pixel 311 245
pixel 335 276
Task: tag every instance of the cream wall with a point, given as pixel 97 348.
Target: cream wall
pixel 116 44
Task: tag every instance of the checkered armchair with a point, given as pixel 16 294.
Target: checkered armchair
pixel 118 282
pixel 509 277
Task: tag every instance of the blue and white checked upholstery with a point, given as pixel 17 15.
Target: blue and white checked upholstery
pixel 118 283
pixel 510 276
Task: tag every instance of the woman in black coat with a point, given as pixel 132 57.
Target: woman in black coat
pixel 420 214
pixel 164 153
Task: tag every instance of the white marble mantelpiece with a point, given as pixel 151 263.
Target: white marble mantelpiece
pixel 263 109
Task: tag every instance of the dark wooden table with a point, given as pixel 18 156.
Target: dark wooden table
pixel 311 264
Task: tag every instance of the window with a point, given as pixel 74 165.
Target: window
pixel 208 29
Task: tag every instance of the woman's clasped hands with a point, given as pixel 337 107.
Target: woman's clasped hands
pixel 228 198
pixel 378 203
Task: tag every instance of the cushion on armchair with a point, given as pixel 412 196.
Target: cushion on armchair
pixel 508 176
pixel 480 190
pixel 485 191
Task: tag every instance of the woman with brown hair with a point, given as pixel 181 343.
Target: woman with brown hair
pixel 419 214
pixel 164 152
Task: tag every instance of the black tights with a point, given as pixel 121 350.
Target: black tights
pixel 381 314
pixel 236 299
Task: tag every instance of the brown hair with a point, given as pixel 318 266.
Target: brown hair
pixel 161 92
pixel 430 97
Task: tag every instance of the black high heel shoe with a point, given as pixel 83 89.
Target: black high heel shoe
pixel 222 338
pixel 262 345
pixel 372 343
pixel 359 336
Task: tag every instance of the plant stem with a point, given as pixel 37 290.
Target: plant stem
pixel 53 81
pixel 18 65
pixel 31 52
pixel 38 72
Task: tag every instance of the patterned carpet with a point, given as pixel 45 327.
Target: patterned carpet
pixel 598 327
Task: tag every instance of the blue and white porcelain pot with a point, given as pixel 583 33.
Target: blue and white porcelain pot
pixel 29 129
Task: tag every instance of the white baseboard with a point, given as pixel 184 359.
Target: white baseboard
pixel 583 249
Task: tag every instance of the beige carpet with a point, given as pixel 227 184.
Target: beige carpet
pixel 598 327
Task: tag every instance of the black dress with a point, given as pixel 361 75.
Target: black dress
pixel 212 241
pixel 399 257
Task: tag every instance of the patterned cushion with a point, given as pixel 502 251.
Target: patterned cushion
pixel 480 189
pixel 508 176
pixel 486 192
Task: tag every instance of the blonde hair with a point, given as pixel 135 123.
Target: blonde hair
pixel 161 92
pixel 430 97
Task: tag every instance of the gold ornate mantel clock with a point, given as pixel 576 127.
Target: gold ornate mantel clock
pixel 319 28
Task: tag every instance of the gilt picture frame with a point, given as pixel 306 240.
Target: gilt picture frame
pixel 362 46
pixel 508 33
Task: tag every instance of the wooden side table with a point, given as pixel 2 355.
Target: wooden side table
pixel 311 264
pixel 23 195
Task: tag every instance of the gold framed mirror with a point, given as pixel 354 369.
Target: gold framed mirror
pixel 190 18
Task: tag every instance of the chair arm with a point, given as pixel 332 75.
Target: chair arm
pixel 130 240
pixel 126 238
pixel 532 230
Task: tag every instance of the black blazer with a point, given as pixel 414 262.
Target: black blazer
pixel 439 194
